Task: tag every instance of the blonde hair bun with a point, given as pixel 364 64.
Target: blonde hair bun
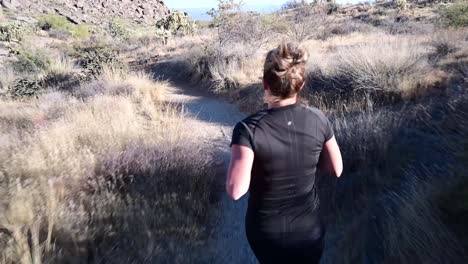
pixel 284 69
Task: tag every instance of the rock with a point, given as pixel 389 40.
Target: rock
pixel 10 4
pixel 4 52
pixel 69 15
pixel 25 19
pixel 96 11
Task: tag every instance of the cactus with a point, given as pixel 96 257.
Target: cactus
pixel 118 30
pixel 177 21
pixel 93 57
pixel 11 32
pixel 27 87
pixel 401 4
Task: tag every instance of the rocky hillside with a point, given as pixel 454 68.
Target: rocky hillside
pixel 83 11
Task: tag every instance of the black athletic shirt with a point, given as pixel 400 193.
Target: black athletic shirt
pixel 287 142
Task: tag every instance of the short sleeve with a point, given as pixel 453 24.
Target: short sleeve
pixel 328 130
pixel 240 136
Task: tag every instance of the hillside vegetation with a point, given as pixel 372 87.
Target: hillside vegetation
pixel 97 166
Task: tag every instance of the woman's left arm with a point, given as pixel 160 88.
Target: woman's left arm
pixel 240 167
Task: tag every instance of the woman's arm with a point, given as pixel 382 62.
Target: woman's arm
pixel 330 158
pixel 240 167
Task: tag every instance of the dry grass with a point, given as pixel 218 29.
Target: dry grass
pixel 61 64
pixel 387 66
pixel 224 68
pixel 385 206
pixel 382 68
pixel 90 177
pixel 7 78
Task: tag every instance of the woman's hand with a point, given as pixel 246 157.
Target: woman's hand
pixel 240 167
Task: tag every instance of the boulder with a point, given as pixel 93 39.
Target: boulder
pixel 10 4
pixel 4 52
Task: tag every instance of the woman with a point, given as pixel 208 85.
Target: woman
pixel 275 153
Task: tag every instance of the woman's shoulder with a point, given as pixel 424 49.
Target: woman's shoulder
pixel 256 118
pixel 315 112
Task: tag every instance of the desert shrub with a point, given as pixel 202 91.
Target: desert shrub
pixel 92 57
pixel 332 7
pixel 406 27
pixel 401 4
pixel 50 21
pixel 309 22
pixel 117 29
pixel 346 28
pixel 455 15
pixel 274 23
pixel 235 26
pixel 61 64
pixel 60 23
pixel 60 34
pixel 292 4
pixel 225 68
pixel 10 31
pixel 31 60
pixel 389 67
pixel 446 42
pixel 62 81
pixel 80 31
pixel 224 61
pixel 26 87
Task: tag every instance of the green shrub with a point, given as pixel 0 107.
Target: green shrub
pixel 274 22
pixel 455 15
pixel 332 7
pixel 93 57
pixel 26 87
pixel 81 31
pixel 31 61
pixel 57 22
pixel 11 31
pixel 118 30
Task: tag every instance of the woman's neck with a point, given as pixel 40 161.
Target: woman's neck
pixel 282 102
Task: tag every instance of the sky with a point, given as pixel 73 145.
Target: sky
pixel 197 8
pixel 172 4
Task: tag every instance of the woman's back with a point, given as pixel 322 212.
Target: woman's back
pixel 275 154
pixel 287 142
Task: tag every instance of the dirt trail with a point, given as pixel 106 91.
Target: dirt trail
pixel 211 121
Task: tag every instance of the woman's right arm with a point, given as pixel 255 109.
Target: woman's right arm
pixel 330 158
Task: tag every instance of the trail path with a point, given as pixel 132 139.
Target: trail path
pixel 211 121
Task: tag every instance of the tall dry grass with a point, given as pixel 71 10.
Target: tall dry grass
pixel 387 207
pixel 7 78
pixel 61 64
pixel 109 176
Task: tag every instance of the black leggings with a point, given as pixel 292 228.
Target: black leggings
pixel 286 247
